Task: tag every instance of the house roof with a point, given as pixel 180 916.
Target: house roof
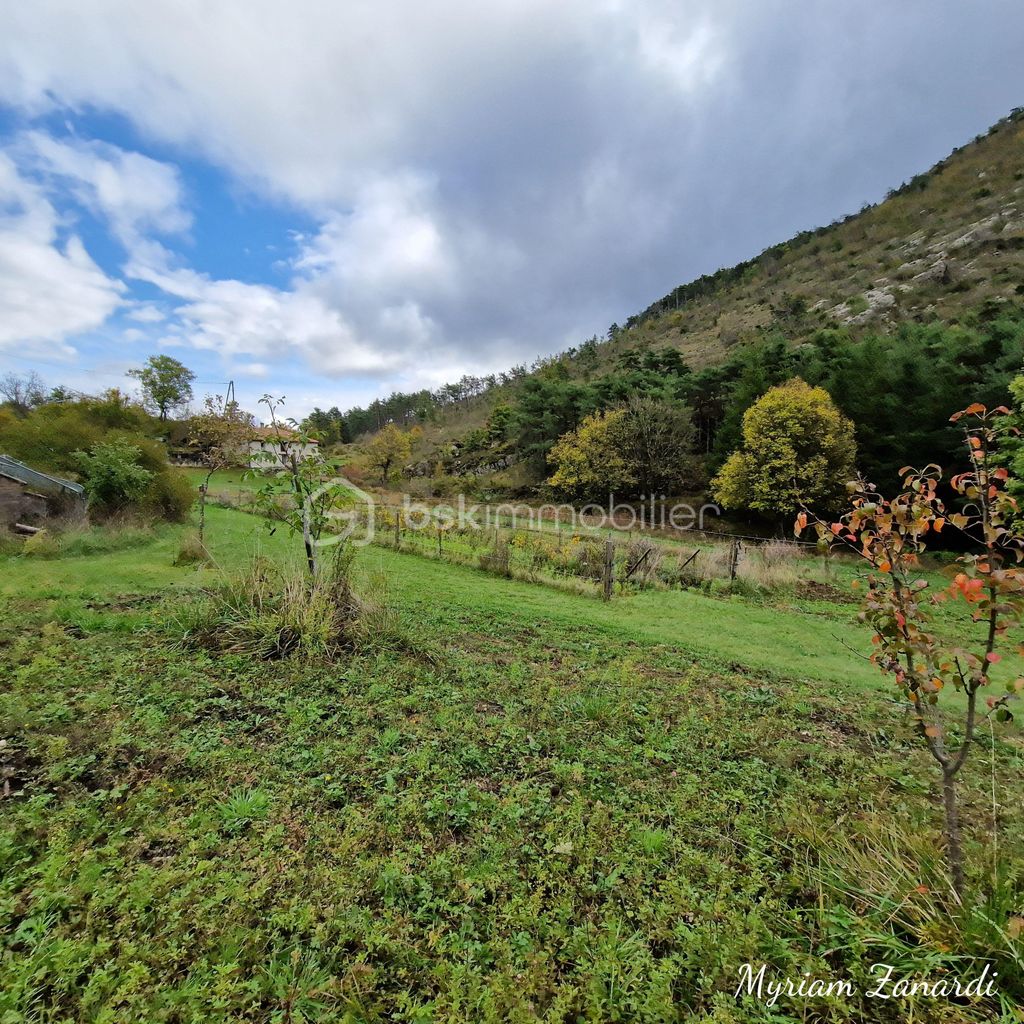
pixel 276 434
pixel 22 474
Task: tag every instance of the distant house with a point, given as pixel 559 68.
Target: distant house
pixel 273 448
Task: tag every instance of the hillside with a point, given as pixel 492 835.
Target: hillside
pixel 938 249
pixel 939 244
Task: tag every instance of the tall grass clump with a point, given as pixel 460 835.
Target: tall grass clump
pixel 895 880
pixel 89 540
pixel 191 550
pixel 268 611
pixel 771 566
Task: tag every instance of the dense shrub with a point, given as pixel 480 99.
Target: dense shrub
pixel 268 612
pixel 113 476
pixel 108 444
pixel 169 496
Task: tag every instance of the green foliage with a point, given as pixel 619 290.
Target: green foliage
pixel 112 475
pixel 798 451
pixel 588 461
pixel 642 448
pixel 48 437
pixel 365 821
pixel 108 442
pixel 389 449
pixel 169 496
pixel 551 403
pixel 166 383
pixel 329 427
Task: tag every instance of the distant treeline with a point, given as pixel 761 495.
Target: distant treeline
pixel 898 388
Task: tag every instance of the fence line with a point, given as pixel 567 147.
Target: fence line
pixel 585 558
pixel 680 532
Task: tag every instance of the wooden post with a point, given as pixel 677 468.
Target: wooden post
pixel 734 557
pixel 398 531
pixel 439 542
pixel 609 569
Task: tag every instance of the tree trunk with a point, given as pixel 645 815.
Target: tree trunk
pixel 307 531
pixel 954 853
pixel 307 540
pixel 202 512
pixel 203 488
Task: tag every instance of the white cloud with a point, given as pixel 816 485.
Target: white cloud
pixel 135 194
pixel 236 319
pixel 50 289
pixel 489 181
pixel 390 242
pixel 146 314
pixel 254 370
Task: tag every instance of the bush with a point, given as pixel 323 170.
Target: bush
pixel 113 476
pixel 41 545
pixel 191 551
pixel 268 612
pixel 169 496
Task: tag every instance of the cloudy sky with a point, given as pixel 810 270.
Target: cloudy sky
pixel 330 200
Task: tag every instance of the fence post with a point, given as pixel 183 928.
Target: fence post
pixel 398 531
pixel 608 576
pixel 734 556
pixel 439 542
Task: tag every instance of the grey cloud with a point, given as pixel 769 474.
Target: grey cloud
pixel 496 181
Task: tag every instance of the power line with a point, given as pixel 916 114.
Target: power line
pixel 107 374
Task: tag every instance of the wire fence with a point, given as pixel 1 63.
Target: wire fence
pixel 608 561
pixel 600 559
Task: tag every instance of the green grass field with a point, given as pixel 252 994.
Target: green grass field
pixel 534 806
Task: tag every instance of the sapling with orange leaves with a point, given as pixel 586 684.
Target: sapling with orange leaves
pixel 988 589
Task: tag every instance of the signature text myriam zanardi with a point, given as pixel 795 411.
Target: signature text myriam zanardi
pixel 887 984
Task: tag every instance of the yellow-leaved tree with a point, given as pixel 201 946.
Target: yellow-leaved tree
pixel 388 449
pixel 588 461
pixel 798 452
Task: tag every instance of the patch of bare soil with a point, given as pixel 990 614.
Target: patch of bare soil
pixel 812 590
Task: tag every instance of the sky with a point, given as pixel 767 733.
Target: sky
pixel 329 201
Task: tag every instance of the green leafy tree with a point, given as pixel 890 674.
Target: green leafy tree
pixel 798 451
pixel 113 476
pixel 657 444
pixel 166 383
pixel 641 448
pixel 328 425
